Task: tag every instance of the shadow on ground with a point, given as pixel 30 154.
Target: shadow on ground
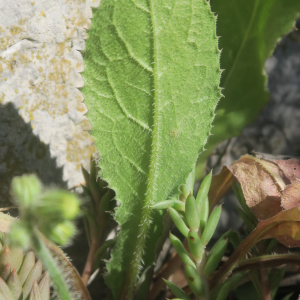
pixel 21 152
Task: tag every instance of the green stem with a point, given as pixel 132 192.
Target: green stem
pixel 200 269
pixel 268 261
pixel 50 265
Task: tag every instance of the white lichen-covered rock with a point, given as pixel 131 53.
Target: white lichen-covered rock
pixel 40 69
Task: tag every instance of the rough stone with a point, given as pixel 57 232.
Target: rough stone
pixel 39 76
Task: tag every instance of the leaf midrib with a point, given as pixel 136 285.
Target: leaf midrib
pixel 133 271
pixel 242 44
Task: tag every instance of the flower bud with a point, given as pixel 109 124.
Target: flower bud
pixel 57 206
pixel 62 233
pixel 26 189
pixel 19 234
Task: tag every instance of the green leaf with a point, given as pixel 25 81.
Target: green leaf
pixel 283 226
pixel 275 278
pixel 178 292
pixel 178 221
pixel 151 86
pixel 249 31
pixel 246 291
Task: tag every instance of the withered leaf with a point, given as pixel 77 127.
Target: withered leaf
pixel 290 168
pixel 291 195
pixel 261 183
pixel 220 185
pixel 269 186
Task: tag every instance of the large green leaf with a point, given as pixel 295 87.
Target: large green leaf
pixel 249 30
pixel 151 86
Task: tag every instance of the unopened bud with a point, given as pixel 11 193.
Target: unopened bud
pixel 19 235
pixel 26 189
pixel 57 206
pixel 62 233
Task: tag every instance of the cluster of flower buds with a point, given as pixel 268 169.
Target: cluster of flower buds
pixel 51 211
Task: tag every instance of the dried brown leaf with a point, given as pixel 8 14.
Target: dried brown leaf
pixel 220 185
pixel 261 183
pixel 290 168
pixel 269 186
pixel 291 195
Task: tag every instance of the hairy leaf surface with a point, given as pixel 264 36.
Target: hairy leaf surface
pixel 248 33
pixel 151 86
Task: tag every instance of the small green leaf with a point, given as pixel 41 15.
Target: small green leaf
pixel 240 196
pixel 15 285
pixel 229 285
pixel 275 278
pixel 215 256
pixel 101 252
pixel 28 264
pixel 194 281
pixel 179 205
pixel 288 297
pixel 203 191
pixel 44 286
pixel 178 221
pixel 5 293
pixel 247 291
pixel 204 213
pixel 35 272
pixel 271 245
pixel 192 213
pixel 86 176
pixel 211 225
pixel 181 250
pixel 178 292
pixel 35 293
pixel 246 219
pixel 176 204
pixel 234 239
pixel 185 190
pixel 195 246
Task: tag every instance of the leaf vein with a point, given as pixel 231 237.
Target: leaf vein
pixel 124 110
pixel 130 52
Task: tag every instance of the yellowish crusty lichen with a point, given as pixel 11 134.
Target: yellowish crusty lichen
pixel 2 97
pixel 15 30
pixel 41 77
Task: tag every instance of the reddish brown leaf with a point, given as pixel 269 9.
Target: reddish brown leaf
pixel 220 185
pixel 290 168
pixel 261 184
pixel 269 186
pixel 291 195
